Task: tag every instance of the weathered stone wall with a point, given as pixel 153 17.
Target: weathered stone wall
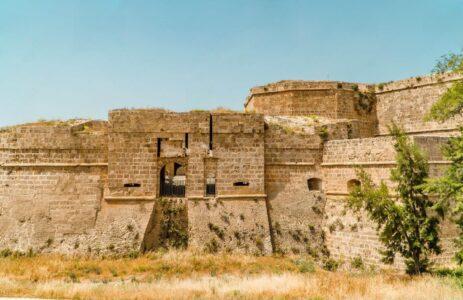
pixel 335 100
pixel 296 213
pixel 133 148
pixel 349 235
pixel 406 102
pixel 305 103
pixel 293 152
pixel 232 153
pixel 51 185
pixel 238 145
pixel 279 171
pixel 168 225
pixel 218 224
pixel 236 217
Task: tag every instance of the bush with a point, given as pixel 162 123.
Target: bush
pixel 212 246
pixel 331 265
pixel 304 265
pixel 357 263
pixel 6 253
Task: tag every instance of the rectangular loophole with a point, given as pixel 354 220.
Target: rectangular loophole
pixel 210 132
pixel 241 183
pixel 159 147
pixel 132 185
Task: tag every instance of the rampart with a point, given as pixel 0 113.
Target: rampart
pixel 51 184
pixel 272 178
pixel 407 102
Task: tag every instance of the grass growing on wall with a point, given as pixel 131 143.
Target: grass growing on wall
pixel 173 224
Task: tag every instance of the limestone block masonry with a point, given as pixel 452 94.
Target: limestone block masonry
pixel 272 178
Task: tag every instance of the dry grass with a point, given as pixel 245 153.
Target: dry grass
pixel 184 275
pixel 46 123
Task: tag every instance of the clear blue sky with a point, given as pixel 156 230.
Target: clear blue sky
pixel 64 59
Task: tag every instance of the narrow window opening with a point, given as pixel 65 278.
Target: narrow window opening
pixel 159 147
pixel 132 184
pixel 314 184
pixel 352 185
pixel 186 140
pixel 241 183
pixel 210 186
pixel 210 132
pixel 164 186
pixel 350 131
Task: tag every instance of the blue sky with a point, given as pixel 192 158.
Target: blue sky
pixel 64 59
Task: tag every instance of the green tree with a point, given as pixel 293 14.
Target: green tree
pixel 405 221
pixel 449 187
pixel 452 62
pixel 451 102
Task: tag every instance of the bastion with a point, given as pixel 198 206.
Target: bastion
pixel 272 178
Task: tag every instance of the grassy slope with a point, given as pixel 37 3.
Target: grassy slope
pixel 188 275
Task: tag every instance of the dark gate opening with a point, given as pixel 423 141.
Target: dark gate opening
pixel 172 185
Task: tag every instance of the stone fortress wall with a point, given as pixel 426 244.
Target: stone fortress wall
pixel 407 102
pixel 51 185
pixel 272 178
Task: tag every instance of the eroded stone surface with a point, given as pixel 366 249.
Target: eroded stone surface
pixel 273 178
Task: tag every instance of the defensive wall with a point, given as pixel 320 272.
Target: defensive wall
pixel 406 102
pixel 272 178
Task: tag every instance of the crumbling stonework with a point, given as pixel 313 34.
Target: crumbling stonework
pixel 270 179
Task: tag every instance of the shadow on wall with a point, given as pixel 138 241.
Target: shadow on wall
pixel 314 184
pixel 352 185
pixel 167 226
pixel 296 209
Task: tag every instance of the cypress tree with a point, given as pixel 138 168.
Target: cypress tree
pixel 405 221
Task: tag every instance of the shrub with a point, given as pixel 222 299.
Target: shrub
pixel 49 242
pixel 357 263
pixel 331 265
pixel 173 230
pixel 451 102
pixel 217 230
pixel 260 245
pixel 73 277
pixel 304 265
pixel 6 253
pixel 212 246
pixel 323 133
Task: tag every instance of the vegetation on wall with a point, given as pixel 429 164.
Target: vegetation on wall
pixel 451 103
pixel 406 225
pixel 323 132
pixel 365 102
pixel 452 62
pixel 449 187
pixel 173 231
